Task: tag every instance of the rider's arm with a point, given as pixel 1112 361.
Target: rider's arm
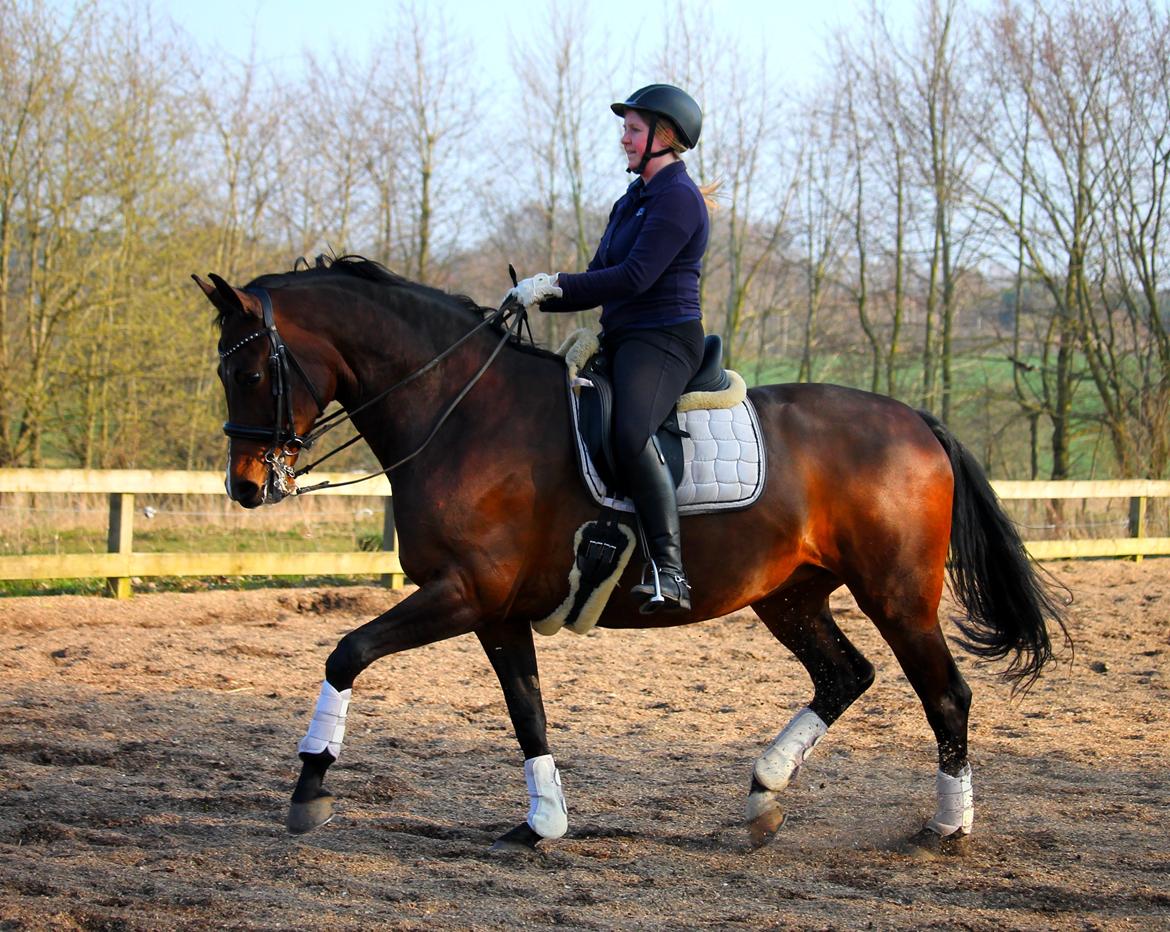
pixel 673 218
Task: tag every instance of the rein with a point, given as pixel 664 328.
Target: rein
pixel 286 441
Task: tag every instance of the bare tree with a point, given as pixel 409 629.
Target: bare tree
pixel 560 104
pixel 1045 74
pixel 823 215
pixel 1126 344
pixel 437 112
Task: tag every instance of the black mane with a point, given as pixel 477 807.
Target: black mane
pixel 355 266
pixel 359 267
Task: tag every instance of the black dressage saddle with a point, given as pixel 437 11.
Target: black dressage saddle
pixel 595 413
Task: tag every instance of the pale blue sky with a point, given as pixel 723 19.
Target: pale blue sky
pixel 795 34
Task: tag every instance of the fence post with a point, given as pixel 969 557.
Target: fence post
pixel 390 542
pixel 121 539
pixel 1137 520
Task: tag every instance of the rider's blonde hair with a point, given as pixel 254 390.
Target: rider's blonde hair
pixel 666 135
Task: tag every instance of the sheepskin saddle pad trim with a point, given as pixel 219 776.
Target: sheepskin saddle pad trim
pixel 591 582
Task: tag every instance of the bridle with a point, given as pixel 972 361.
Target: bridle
pixel 284 441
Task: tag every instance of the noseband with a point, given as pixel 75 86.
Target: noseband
pixel 282 436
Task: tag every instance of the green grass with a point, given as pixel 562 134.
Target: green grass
pixel 985 415
pixel 193 538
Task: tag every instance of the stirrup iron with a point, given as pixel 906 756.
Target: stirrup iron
pixel 657 598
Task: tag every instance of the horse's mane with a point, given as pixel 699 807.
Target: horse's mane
pixel 354 266
pixel 359 267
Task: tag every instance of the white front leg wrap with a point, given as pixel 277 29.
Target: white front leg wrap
pixel 327 729
pixel 956 804
pixel 548 815
pixel 776 767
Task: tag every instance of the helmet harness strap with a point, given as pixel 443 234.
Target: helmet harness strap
pixel 647 155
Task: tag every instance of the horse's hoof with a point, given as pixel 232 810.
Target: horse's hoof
pixel 304 817
pixel 520 840
pixel 927 844
pixel 764 817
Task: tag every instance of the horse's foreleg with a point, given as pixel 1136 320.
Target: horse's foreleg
pixel 437 611
pixel 509 647
pixel 801 620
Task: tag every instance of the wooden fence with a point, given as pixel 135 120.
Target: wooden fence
pixel 120 563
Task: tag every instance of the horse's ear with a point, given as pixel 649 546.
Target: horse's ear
pixel 229 300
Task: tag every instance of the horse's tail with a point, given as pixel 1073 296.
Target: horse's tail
pixel 1009 608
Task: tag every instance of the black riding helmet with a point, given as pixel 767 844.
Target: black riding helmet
pixel 666 100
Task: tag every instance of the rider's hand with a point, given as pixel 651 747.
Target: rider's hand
pixel 530 291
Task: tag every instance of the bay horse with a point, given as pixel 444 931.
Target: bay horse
pixel 474 429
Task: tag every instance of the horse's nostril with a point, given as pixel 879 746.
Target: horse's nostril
pixel 246 492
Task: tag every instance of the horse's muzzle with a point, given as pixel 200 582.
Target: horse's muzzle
pixel 245 492
pixel 254 484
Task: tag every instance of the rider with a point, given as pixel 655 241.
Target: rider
pixel 645 276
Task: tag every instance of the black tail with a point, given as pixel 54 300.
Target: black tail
pixel 1008 606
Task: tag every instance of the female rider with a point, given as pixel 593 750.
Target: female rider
pixel 645 276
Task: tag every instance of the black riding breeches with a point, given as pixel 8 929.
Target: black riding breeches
pixel 650 368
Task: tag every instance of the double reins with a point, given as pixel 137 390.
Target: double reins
pixel 285 441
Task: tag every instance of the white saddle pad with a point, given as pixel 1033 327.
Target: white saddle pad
pixel 723 460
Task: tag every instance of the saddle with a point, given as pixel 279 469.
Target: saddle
pixel 595 413
pixel 711 441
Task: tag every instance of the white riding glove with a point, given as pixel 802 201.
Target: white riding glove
pixel 530 291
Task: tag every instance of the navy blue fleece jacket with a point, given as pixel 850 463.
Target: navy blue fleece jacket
pixel 646 270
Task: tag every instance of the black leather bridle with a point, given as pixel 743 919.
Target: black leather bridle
pixel 282 435
pixel 283 439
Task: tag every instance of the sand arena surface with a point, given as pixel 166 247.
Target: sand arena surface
pixel 149 751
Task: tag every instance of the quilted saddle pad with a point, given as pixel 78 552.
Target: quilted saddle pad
pixel 724 461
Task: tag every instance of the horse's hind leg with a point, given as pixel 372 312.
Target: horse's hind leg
pixel 946 699
pixel 909 624
pixel 800 619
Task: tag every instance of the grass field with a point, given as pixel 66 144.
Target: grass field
pixel 985 414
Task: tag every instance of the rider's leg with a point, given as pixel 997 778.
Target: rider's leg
pixel 650 369
pixel 651 486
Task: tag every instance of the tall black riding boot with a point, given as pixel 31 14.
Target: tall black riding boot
pixel 664 585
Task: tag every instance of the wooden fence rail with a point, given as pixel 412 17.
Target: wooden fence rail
pixel 121 562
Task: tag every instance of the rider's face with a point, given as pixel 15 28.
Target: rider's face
pixel 635 133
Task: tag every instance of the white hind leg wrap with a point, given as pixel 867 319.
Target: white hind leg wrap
pixel 956 804
pixel 327 729
pixel 548 815
pixel 776 767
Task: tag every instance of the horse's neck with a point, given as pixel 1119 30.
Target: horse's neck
pixel 381 349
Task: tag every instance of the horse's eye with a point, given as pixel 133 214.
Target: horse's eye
pixel 247 378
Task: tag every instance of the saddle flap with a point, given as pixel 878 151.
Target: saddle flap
pixel 595 421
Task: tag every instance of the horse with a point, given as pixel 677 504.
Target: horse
pixel 473 427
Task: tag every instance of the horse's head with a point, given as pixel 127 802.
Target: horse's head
pixel 272 401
